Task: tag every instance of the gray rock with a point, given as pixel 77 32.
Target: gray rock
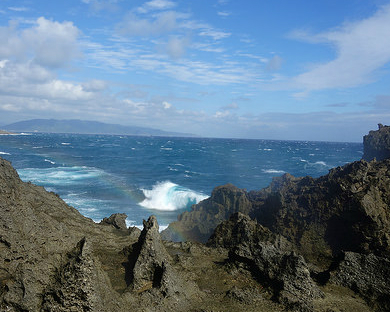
pixel 368 275
pixel 267 257
pixel 151 267
pixel 118 220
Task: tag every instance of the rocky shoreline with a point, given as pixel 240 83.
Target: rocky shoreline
pixel 301 244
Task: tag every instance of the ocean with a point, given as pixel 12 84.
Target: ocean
pixel 104 174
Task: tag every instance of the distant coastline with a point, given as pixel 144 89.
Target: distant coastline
pixel 4 132
pixel 77 126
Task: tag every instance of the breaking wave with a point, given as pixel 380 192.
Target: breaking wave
pixel 169 196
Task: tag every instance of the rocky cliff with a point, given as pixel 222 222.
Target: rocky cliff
pixel 377 144
pixel 301 244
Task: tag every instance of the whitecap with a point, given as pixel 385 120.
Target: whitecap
pixel 169 196
pixel 65 143
pixel 267 149
pixel 273 171
pixel 50 161
pixel 4 153
pixel 321 163
pixel 59 175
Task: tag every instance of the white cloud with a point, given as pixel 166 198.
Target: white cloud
pixel 55 43
pixel 176 47
pixel 10 108
pixel 102 5
pixel 94 85
pixel 230 106
pixel 274 63
pixel 47 43
pixel 224 13
pixel 156 5
pixel 215 34
pixel 362 47
pixel 133 25
pixel 166 105
pixel 18 9
pixel 222 114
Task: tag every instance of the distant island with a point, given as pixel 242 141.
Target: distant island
pixel 85 127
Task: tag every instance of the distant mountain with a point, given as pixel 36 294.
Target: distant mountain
pixel 85 127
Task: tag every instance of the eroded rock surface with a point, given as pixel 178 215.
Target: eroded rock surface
pixel 117 220
pixel 268 258
pixel 368 275
pixel 199 223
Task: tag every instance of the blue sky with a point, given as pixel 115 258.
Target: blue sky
pixel 295 70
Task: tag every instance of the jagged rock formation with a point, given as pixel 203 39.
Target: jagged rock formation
pixel 118 220
pixel 377 144
pixel 347 209
pixel 150 267
pixel 270 260
pixel 54 259
pixel 302 223
pixel 199 223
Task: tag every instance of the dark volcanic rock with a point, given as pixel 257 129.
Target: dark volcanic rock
pixel 118 220
pixel 269 260
pixel 241 229
pixel 367 275
pixel 199 223
pixel 377 144
pixel 345 210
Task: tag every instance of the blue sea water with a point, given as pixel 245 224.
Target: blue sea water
pixel 104 174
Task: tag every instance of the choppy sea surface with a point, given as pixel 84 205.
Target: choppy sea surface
pixel 104 174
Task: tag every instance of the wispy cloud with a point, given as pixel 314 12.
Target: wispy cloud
pixel 161 23
pixel 362 47
pixel 156 5
pixel 18 9
pixel 224 13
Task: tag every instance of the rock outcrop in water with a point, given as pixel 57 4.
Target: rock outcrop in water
pixel 377 144
pixel 301 244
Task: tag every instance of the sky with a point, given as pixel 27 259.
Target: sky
pixel 288 69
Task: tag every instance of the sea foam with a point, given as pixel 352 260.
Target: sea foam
pixel 170 196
